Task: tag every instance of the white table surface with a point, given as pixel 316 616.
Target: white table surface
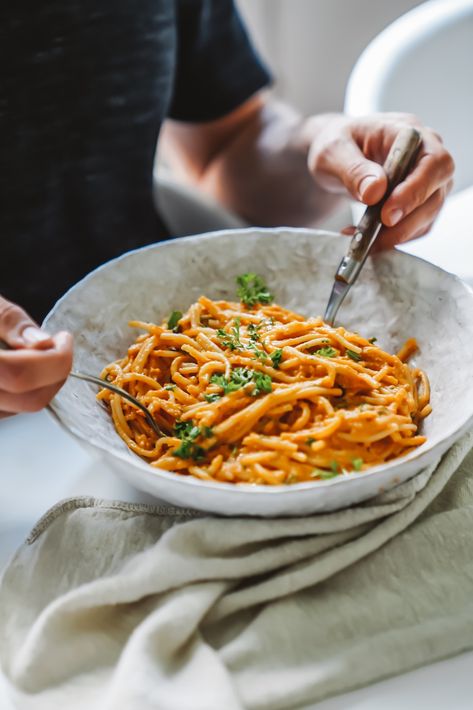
pixel 40 465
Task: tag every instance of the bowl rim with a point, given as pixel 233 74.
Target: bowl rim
pixel 128 457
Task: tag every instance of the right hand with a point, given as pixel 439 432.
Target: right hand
pixel 33 371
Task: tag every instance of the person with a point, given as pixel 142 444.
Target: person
pixel 88 88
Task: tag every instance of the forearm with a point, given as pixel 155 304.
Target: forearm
pixel 260 171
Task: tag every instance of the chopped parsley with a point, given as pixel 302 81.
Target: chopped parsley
pixel 189 450
pixel 327 352
pixel 173 320
pixel 325 475
pixel 259 354
pixel 357 464
pixel 231 340
pixel 212 397
pixel 372 340
pixel 242 376
pixel 276 356
pixel 253 331
pixel 169 386
pixel 263 383
pixel 322 474
pixel 310 440
pixel 353 355
pixel 188 433
pixel 186 430
pixel 252 290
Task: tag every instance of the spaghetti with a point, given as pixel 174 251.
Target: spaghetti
pixel 252 392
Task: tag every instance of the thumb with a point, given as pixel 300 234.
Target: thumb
pixel 364 179
pixel 18 330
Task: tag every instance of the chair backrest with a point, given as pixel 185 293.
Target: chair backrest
pixel 423 64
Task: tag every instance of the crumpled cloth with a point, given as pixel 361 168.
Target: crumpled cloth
pixel 115 606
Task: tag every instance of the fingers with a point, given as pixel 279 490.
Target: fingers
pixel 32 401
pixel 416 224
pixel 336 161
pixel 28 369
pixel 18 330
pixel 432 171
pixel 30 378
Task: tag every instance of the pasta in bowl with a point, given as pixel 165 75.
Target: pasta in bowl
pixel 251 392
pixel 262 416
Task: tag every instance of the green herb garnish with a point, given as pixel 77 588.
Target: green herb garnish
pixel 263 383
pixel 173 320
pixel 253 331
pixel 334 467
pixel 188 449
pixel 324 475
pixel 212 397
pixel 186 430
pixel 357 464
pixel 372 340
pixel 252 290
pixel 353 355
pixel 327 352
pixel 242 376
pixel 170 387
pixel 276 356
pixel 310 440
pixel 231 340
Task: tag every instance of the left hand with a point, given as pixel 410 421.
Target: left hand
pixel 346 154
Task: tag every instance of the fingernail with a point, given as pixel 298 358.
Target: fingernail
pixel 34 336
pixel 365 183
pixel 394 217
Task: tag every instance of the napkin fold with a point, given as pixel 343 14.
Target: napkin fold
pixel 116 606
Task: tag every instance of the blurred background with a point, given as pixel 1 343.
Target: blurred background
pixel 311 46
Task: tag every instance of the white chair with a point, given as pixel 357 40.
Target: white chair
pixel 423 64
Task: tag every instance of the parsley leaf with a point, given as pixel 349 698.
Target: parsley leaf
pixel 263 383
pixel 186 430
pixel 372 340
pixel 323 474
pixel 327 352
pixel 231 340
pixel 357 464
pixel 212 397
pixel 353 355
pixel 173 320
pixel 276 356
pixel 252 290
pixel 253 331
pixel 334 467
pixel 169 386
pixel 188 449
pixel 242 376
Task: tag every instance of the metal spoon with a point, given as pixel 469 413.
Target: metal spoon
pixel 122 393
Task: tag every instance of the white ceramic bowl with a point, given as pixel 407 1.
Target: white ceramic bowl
pixel 397 296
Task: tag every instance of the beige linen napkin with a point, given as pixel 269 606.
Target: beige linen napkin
pixel 114 606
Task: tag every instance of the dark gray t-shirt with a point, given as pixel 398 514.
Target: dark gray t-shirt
pixel 84 88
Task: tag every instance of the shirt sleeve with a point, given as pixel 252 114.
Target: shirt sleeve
pixel 217 69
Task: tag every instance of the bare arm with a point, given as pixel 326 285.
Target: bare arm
pixel 272 166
